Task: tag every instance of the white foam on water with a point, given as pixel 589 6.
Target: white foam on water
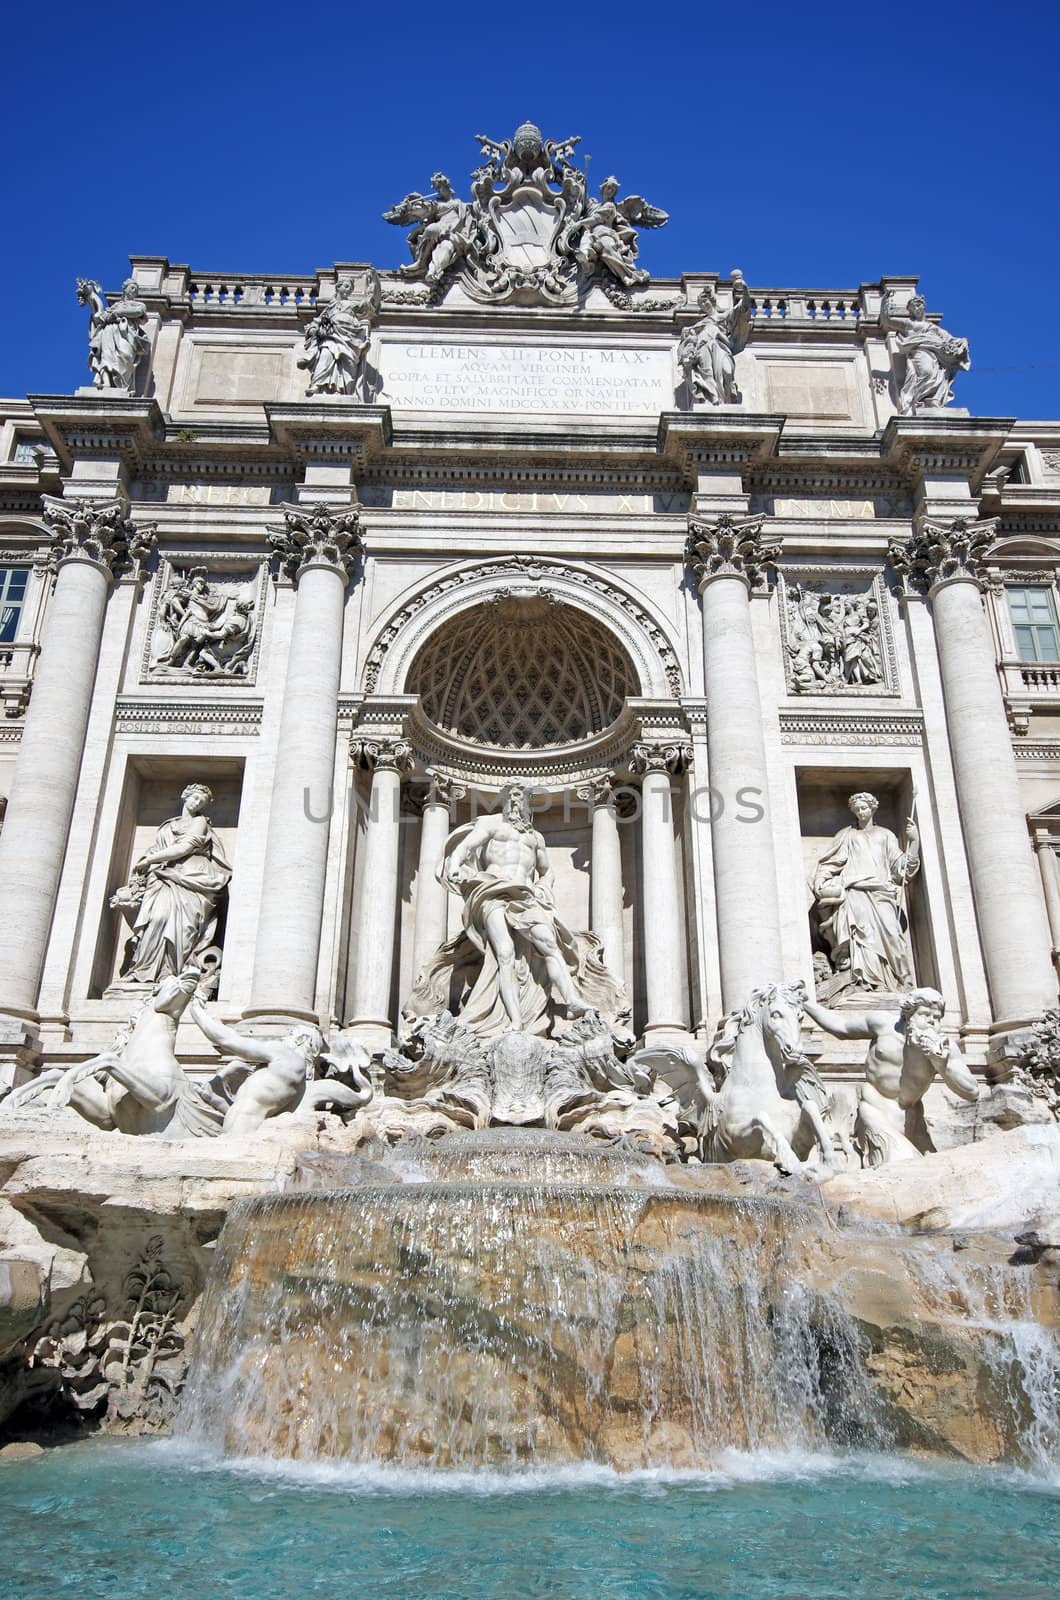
pixel 734 1470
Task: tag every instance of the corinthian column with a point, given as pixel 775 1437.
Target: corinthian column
pixel 432 897
pixel 948 565
pixel 605 873
pixel 660 917
pixel 728 557
pixel 316 546
pixel 388 759
pixel 91 541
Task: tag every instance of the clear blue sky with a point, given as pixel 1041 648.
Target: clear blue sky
pixel 815 145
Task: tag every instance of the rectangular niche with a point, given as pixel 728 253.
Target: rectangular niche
pixel 836 632
pixel 150 796
pixel 823 794
pixel 205 621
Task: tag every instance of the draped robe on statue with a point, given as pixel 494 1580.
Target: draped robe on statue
pixel 858 885
pixel 462 976
pixel 177 918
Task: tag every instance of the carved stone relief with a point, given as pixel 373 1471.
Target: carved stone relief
pixel 205 622
pixel 836 634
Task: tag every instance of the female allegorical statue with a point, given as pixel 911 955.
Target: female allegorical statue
pixel 174 894
pixel 116 338
pixel 858 888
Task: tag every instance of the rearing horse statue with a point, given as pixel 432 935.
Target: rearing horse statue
pixel 766 1100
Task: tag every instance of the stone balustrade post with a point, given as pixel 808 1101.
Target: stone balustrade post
pixel 661 919
pixel 432 897
pixel 317 546
pixel 728 556
pixel 948 564
pixel 387 758
pixel 91 541
pixel 605 873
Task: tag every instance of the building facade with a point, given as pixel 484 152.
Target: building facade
pixel 693 561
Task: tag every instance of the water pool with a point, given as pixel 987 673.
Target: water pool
pixel 158 1520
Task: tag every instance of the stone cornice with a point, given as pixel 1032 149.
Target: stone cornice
pixel 697 440
pixel 836 727
pixel 81 425
pixel 338 428
pixel 942 445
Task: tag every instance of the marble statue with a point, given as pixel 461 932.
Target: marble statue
pixel 933 357
pixel 707 350
pixel 531 966
pixel 282 1076
pixel 443 230
pixel 173 896
pixel 761 1097
pixel 907 1051
pixel 206 629
pixel 833 640
pixel 117 341
pixel 337 339
pixel 858 887
pixel 530 231
pixel 605 235
pixel 137 1086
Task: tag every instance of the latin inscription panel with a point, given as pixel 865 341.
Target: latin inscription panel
pixel 513 377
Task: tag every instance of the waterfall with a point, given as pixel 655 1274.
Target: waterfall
pixel 507 1298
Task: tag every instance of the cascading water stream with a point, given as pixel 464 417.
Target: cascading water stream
pixel 508 1298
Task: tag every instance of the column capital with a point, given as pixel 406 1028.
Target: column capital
pixel 317 535
pixel 98 532
pixel 381 753
pixel 934 555
pixel 598 790
pixel 442 790
pixel 729 548
pixel 670 756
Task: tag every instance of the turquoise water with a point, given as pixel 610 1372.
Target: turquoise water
pixel 156 1520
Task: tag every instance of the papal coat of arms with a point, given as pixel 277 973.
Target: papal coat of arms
pixel 531 231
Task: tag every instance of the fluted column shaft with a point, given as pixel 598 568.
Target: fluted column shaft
pixel 661 921
pixel 90 539
pixel 316 547
pixel 432 897
pixel 727 558
pixel 379 883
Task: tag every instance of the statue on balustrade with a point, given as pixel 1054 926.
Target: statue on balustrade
pixel 173 898
pixel 443 233
pixel 337 339
pixel 933 357
pixel 906 1053
pixel 707 350
pixel 603 233
pixel 117 341
pixel 859 891
pixel 515 966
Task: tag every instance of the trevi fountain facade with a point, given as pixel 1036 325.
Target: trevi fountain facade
pixel 532 803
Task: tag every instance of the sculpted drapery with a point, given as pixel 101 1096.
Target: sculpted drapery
pixel 175 892
pixel 858 886
pixel 516 964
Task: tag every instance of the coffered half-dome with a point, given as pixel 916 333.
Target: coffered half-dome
pixel 522 673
